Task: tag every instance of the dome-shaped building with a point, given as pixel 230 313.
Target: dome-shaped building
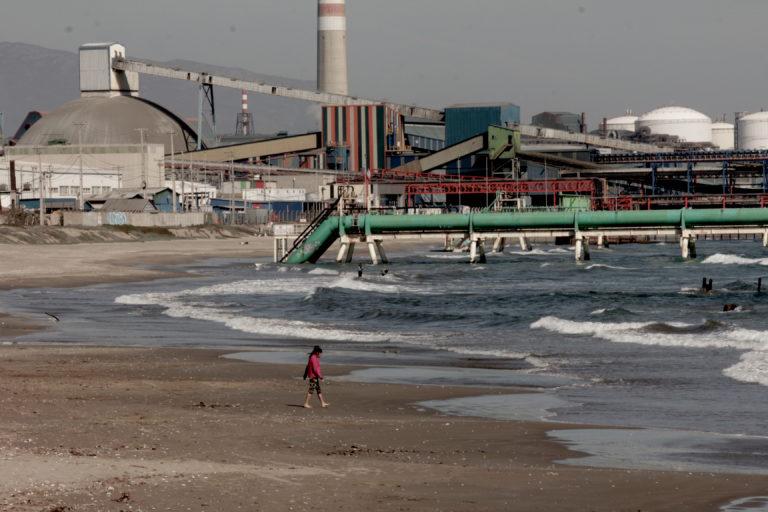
pixel 626 123
pixel 685 123
pixel 109 121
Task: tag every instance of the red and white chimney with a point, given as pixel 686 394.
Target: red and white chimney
pixel 332 47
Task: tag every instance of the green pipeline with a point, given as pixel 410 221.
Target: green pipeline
pixel 331 229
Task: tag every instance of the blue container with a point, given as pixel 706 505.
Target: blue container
pixel 465 121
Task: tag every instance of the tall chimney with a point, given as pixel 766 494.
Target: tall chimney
pixel 332 47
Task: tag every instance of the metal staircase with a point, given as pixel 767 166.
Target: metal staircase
pixel 321 217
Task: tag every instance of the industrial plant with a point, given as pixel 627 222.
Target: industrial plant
pixel 112 157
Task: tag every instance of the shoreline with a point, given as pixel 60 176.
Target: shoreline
pixel 183 427
pixel 363 431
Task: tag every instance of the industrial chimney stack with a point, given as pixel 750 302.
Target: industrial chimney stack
pixel 332 47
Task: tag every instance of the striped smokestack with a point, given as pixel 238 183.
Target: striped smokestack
pixel 332 47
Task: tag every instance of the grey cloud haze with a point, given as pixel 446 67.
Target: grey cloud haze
pixel 598 56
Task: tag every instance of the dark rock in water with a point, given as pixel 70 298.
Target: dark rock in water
pixel 730 307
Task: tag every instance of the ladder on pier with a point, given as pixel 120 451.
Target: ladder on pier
pixel 321 217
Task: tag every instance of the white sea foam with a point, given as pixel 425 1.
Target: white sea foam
pixel 639 333
pixel 752 368
pixel 448 256
pixel 609 267
pixel 733 259
pixel 323 272
pixel 175 308
pixel 600 311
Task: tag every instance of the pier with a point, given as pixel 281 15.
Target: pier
pixel 484 230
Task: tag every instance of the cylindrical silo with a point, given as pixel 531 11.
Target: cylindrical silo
pixel 625 123
pixel 753 131
pixel 332 46
pixel 723 136
pixel 685 123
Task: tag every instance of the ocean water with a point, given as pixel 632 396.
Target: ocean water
pixel 626 339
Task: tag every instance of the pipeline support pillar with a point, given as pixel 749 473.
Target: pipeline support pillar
pixel 765 239
pixel 477 251
pixel 582 247
pixel 525 246
pixel 688 245
pixel 498 244
pixel 346 251
pixel 377 252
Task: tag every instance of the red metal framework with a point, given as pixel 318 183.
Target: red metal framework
pixel 615 203
pixel 509 186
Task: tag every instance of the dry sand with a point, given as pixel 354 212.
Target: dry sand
pixel 109 429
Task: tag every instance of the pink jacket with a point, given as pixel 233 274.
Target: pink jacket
pixel 313 367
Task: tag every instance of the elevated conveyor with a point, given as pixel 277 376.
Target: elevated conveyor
pixel 366 225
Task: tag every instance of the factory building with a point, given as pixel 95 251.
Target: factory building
pixel 468 120
pixel 360 137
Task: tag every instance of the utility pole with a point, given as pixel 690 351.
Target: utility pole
pixel 173 170
pixel 232 191
pixel 81 195
pixel 41 198
pixel 143 185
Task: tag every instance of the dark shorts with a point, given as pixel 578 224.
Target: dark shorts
pixel 314 385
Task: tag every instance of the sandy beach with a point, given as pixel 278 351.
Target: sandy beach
pixel 109 429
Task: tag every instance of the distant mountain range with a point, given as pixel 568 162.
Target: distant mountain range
pixel 37 78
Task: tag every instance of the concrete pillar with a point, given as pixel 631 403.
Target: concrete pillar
pixel 688 245
pixel 373 249
pixel 346 251
pixel 582 248
pixel 276 242
pixel 477 251
pixel 498 244
pixel 602 241
pixel 525 246
pixel 382 254
pixel 765 239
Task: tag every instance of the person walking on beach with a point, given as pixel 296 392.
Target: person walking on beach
pixel 315 375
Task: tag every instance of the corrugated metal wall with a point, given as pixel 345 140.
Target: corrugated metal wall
pixel 464 122
pixel 365 133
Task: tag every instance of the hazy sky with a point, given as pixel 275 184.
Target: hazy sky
pixel 598 56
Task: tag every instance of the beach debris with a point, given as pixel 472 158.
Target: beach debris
pixel 123 498
pixel 203 405
pixel 730 307
pixel 54 317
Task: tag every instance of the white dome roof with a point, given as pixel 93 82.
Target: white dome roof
pixel 757 116
pixel 675 114
pixel 722 126
pixel 623 120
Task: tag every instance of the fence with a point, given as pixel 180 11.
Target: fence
pixel 145 220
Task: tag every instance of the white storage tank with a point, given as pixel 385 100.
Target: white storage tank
pixel 753 131
pixel 685 123
pixel 723 135
pixel 625 123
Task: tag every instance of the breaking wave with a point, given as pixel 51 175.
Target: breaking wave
pixel 733 259
pixel 708 335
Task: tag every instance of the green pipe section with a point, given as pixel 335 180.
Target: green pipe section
pixel 330 230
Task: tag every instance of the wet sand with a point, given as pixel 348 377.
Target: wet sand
pixel 164 429
pixel 104 429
